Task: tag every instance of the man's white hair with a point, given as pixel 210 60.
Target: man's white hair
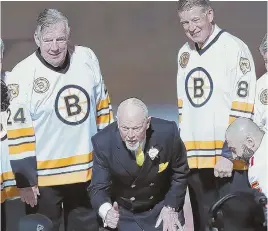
pixel 263 46
pixel 186 5
pixel 135 102
pixel 2 47
pixel 50 17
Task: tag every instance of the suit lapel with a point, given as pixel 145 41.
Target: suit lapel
pixel 151 141
pixel 125 157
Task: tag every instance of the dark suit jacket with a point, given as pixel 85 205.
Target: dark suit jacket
pixel 117 177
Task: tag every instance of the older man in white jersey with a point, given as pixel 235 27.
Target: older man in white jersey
pixel 215 85
pixel 61 102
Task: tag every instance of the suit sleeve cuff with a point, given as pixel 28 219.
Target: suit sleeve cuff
pixel 103 210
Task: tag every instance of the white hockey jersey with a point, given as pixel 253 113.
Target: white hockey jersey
pixel 258 167
pixel 8 183
pixel 261 103
pixel 215 85
pixel 55 112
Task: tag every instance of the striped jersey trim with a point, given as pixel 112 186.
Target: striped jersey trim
pixel 66 178
pixel 19 133
pixel 9 193
pixel 65 162
pixel 242 107
pixel 20 148
pixel 104 103
pixel 180 103
pixel 105 119
pixel 210 162
pixel 203 145
pixel 5 176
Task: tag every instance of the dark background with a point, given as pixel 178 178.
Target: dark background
pixel 136 43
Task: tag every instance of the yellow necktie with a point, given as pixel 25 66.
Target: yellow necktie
pixel 140 157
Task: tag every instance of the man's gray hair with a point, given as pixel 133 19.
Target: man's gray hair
pixel 135 102
pixel 263 46
pixel 2 47
pixel 50 17
pixel 186 5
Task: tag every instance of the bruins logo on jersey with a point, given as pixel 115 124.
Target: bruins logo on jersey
pixel 264 97
pixel 72 105
pixel 184 59
pixel 244 65
pixel 198 86
pixel 41 85
pixel 14 90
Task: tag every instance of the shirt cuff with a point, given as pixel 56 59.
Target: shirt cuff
pixel 103 210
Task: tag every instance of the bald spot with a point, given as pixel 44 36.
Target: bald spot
pixel 241 128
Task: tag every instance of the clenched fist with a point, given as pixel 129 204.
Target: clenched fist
pixel 223 168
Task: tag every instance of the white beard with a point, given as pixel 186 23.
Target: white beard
pixel 133 148
pixel 136 146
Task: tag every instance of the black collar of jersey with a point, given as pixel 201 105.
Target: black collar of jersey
pixel 202 51
pixel 62 69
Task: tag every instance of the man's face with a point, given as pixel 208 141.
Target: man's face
pixel 240 150
pixel 197 24
pixel 53 44
pixel 265 58
pixel 132 128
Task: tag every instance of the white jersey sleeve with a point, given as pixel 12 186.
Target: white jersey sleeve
pixel 244 83
pixel 20 130
pixel 261 103
pixel 103 103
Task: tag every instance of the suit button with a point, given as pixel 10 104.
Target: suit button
pixel 151 197
pixel 132 198
pixel 151 184
pixel 133 186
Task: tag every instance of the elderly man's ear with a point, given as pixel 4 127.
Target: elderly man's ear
pixel 250 142
pixel 148 122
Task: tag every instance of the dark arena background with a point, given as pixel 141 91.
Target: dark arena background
pixel 136 44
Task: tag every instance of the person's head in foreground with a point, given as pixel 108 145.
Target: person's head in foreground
pixel 244 138
pixel 196 17
pixel 52 36
pixel 35 222
pixel 133 121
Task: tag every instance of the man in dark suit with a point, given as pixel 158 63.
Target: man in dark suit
pixel 140 166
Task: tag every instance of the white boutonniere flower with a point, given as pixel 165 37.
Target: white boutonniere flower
pixel 153 152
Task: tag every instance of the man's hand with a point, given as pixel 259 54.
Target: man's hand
pixel 29 195
pixel 223 168
pixel 170 220
pixel 112 217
